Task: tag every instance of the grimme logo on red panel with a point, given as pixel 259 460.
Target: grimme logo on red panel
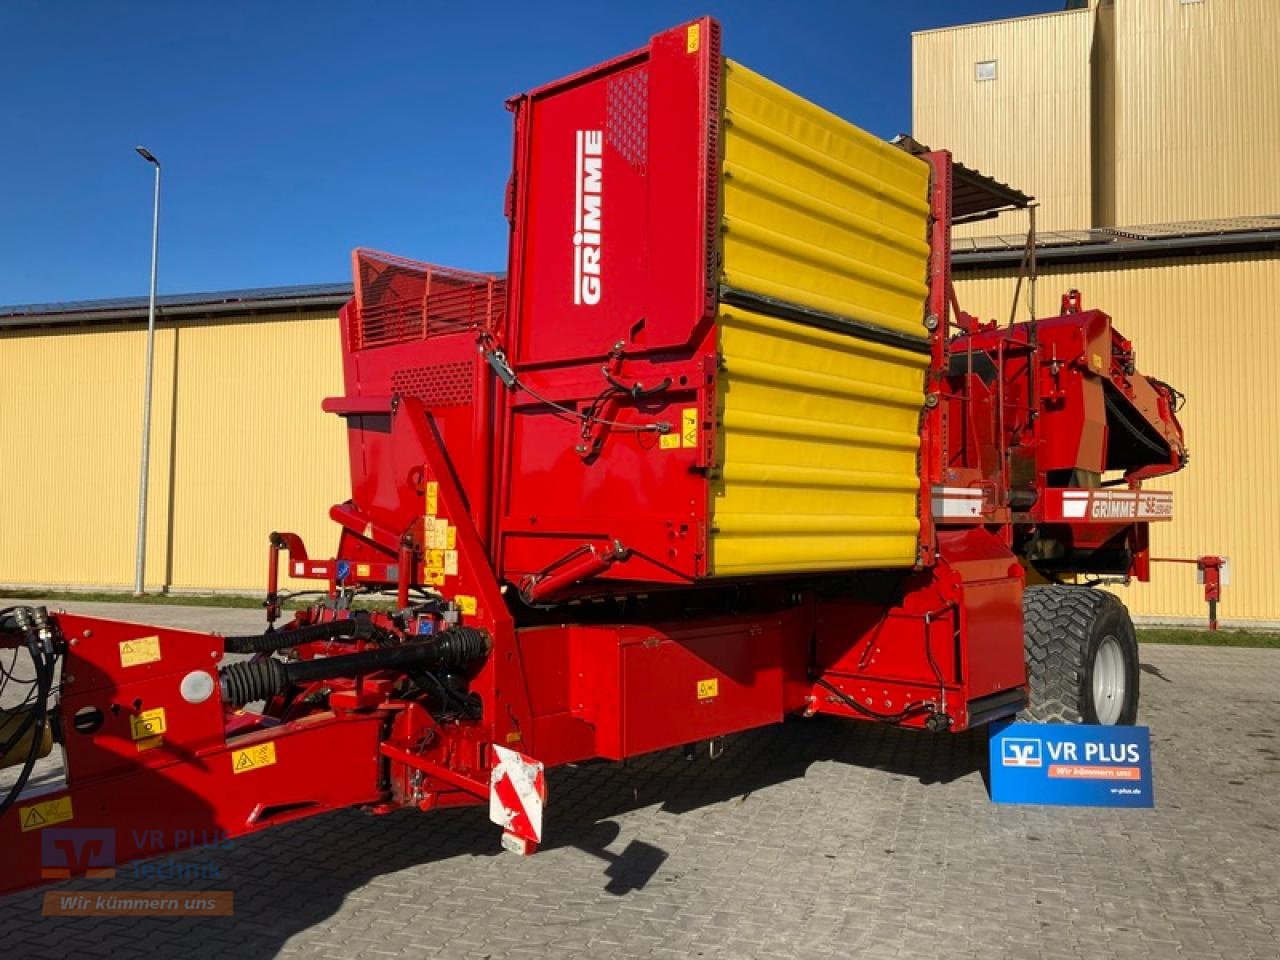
pixel 586 217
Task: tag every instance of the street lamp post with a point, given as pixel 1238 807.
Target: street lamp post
pixel 140 563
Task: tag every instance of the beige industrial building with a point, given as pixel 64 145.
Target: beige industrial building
pixel 239 445
pixel 1145 129
pixel 1116 114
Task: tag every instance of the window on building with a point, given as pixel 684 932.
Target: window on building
pixel 985 70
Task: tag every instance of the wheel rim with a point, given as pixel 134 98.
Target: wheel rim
pixel 1108 681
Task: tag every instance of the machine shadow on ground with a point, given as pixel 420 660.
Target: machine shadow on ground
pixel 297 876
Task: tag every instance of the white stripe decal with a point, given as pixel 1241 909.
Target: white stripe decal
pixel 957 503
pixel 1075 507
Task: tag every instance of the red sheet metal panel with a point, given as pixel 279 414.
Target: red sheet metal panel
pixel 611 332
pixel 648 688
pixel 586 166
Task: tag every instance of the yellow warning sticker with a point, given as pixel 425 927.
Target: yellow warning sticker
pixel 689 427
pixel 436 532
pixel 134 653
pixel 466 604
pixel 148 723
pixel 669 441
pixel 43 814
pixel 708 688
pixel 253 758
pixel 362 570
pixel 435 560
pixel 149 743
pixel 514 737
pixel 433 497
pixel 451 563
pixel 693 38
pixel 451 538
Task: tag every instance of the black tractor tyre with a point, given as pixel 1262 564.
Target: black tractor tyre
pixel 1074 635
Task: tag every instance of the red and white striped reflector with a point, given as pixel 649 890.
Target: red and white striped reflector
pixel 517 795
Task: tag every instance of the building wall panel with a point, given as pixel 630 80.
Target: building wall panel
pixel 1204 325
pixel 1128 113
pixel 239 447
pixel 1030 126
pixel 1197 109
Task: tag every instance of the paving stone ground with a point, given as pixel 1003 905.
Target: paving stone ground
pixel 814 839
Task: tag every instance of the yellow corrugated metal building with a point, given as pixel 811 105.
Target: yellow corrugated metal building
pixel 1146 111
pixel 1146 130
pixel 1194 109
pixel 239 445
pixel 1204 324
pixel 1020 86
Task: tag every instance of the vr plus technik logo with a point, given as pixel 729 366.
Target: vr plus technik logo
pixel 1015 752
pixel 68 851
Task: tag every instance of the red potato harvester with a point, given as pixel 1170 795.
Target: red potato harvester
pixel 722 448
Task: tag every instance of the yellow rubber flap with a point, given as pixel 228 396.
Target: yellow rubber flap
pixel 818 212
pixel 818 449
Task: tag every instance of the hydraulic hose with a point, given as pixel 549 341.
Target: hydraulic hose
pixel 358 627
pixel 39 635
pixel 243 683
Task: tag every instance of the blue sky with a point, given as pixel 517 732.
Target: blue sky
pixel 292 132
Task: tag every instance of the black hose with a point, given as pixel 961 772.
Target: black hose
pixel 33 627
pixel 358 627
pixel 909 710
pixel 1139 431
pixel 451 648
pixel 262 679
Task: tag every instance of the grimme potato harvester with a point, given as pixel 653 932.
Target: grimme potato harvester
pixel 720 449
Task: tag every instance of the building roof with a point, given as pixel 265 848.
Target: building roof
pixel 1195 237
pixel 985 23
pixel 257 300
pixel 1186 238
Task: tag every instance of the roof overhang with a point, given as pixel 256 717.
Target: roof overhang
pixel 974 195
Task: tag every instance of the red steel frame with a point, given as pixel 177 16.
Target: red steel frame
pixel 468 481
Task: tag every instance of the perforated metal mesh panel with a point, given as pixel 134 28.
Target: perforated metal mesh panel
pixel 443 385
pixel 628 124
pixel 400 300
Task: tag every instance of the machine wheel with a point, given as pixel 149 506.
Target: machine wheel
pixel 1082 656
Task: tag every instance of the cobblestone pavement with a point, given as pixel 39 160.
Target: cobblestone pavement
pixel 813 839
